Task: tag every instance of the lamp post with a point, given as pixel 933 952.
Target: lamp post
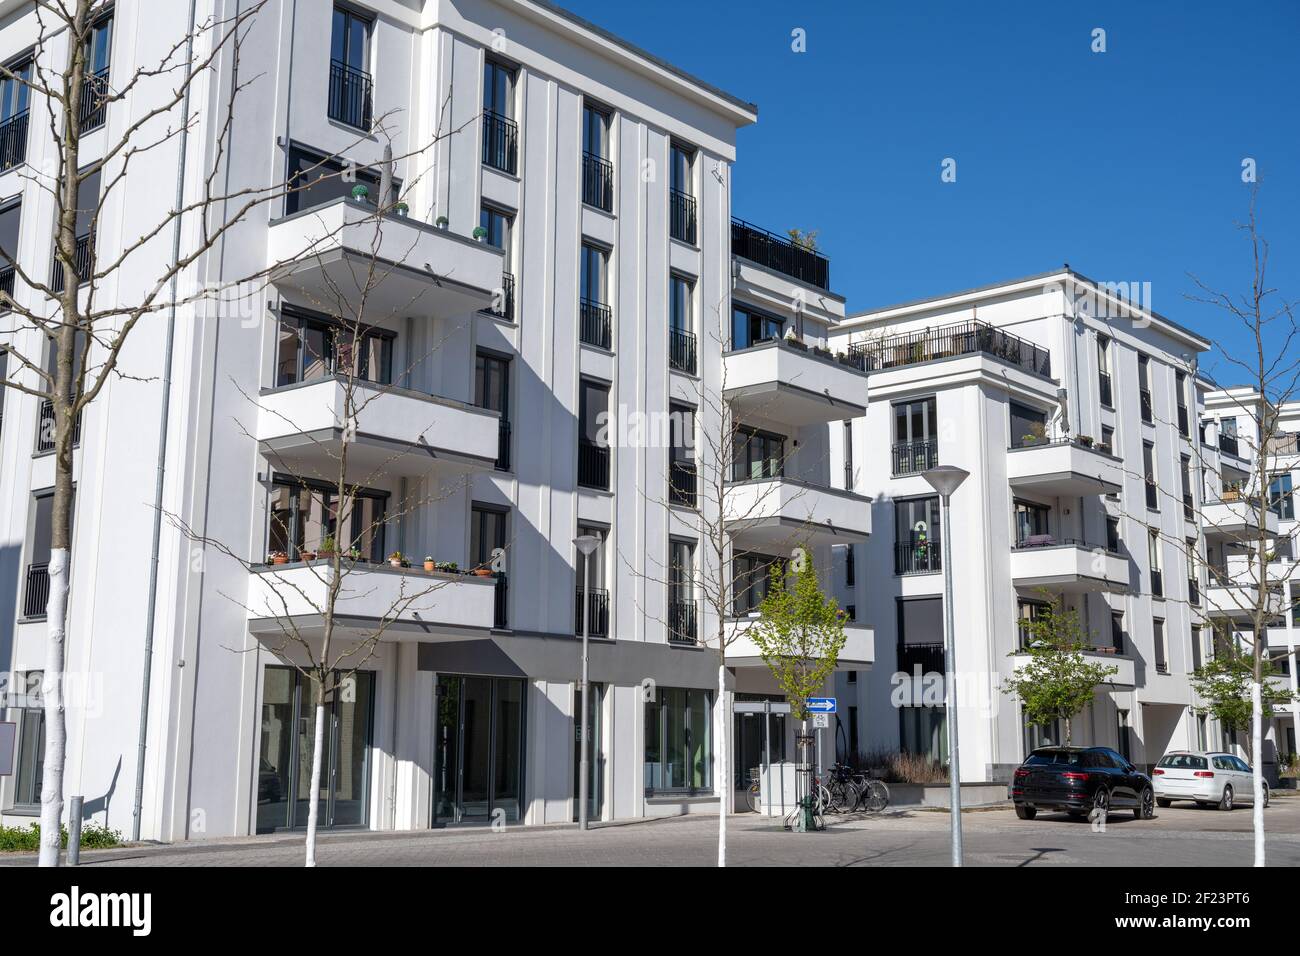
pixel 586 544
pixel 945 479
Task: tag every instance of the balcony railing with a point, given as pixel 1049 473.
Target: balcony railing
pixel 1027 542
pixel 503 446
pixel 94 105
pixel 681 215
pixel 1229 445
pixel 917 558
pixel 500 142
pixel 1153 495
pixel 503 307
pixel 1157 583
pixel 912 457
pixel 1193 591
pixel 682 483
pixel 1285 443
pixel 683 622
pixel 681 350
pixel 929 655
pixel 13 141
pixel 1103 389
pixel 1189 507
pixel 1183 421
pixel 36 594
pixel 594 323
pixel 500 603
pixel 598 607
pixel 82 254
pixel 7 281
pixel 350 95
pixel 1148 414
pixel 45 429
pixel 779 253
pixel 597 182
pixel 593 465
pixel 962 338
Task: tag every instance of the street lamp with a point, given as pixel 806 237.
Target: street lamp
pixel 585 543
pixel 945 479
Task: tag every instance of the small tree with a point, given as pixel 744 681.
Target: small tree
pixel 1059 681
pixel 805 239
pixel 1223 685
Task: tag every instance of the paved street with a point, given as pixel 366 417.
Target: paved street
pixel 1177 837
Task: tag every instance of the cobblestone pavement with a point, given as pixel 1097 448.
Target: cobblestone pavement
pixel 1177 837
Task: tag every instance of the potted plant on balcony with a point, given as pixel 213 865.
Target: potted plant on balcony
pixel 1084 440
pixel 483 571
pixel 401 208
pixel 360 192
pixel 279 557
pixel 448 567
pixel 441 222
pixel 328 547
pixel 306 555
pixel 354 554
pixel 395 559
pixel 1037 432
pixel 480 234
pixel 429 563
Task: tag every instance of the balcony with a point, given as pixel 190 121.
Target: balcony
pixel 962 338
pixel 343 258
pixel 36 592
pixel 350 99
pixel 858 652
pixel 593 465
pixel 1067 469
pixel 1237 517
pixel 681 216
pixel 792 384
pixel 683 622
pixel 780 254
pixel 594 324
pixel 500 143
pixel 301 428
pixel 682 481
pixel 503 304
pixel 1123 678
pixel 783 512
pixel 598 608
pixel 416 605
pixel 927 655
pixel 94 104
pixel 681 351
pixel 1237 598
pixel 597 182
pixel 914 457
pixel 1229 445
pixel 13 141
pixel 1067 566
pixel 917 557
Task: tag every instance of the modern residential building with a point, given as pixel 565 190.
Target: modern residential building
pixel 1072 406
pixel 565 261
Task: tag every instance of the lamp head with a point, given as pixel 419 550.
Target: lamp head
pixel 945 479
pixel 586 543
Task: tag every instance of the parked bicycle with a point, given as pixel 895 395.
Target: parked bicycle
pixel 852 790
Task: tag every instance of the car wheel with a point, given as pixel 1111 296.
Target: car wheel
pixel 1101 801
pixel 1025 812
pixel 1225 801
pixel 1163 802
pixel 1145 809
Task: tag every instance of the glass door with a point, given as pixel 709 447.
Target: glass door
pixel 478 749
pixel 595 756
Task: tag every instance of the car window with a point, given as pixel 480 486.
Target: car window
pixel 1223 763
pixel 1241 765
pixel 1044 757
pixel 1182 762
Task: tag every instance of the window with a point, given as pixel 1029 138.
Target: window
pixel 1030 612
pixel 751 578
pixel 350 83
pixel 27 700
pixel 757 455
pixel 10 219
pixel 1153 555
pixel 1149 475
pixel 500 134
pixel 681 337
pixel 593 448
pixel 850 566
pixel 1180 380
pixel 850 478
pixel 593 292
pixel 315 179
pixel 1032 525
pixel 1117 631
pixel 1108 441
pixel 678 741
pixel 920 635
pixel 1124 747
pixel 40 533
pixel 1281 500
pixel 681 455
pixel 1185 475
pixel 304 519
pixel 597 171
pixel 1144 388
pixel 917 536
pixel 498 226
pixel 598 594
pixel 916 443
pixel 1112 534
pixel 682 623
pixel 1103 371
pixel 1193 579
pixel 13 114
pixel 1202 736
pixel 749 327
pixel 84 250
pixel 1161 648
pixel 681 193
pixel 492 390
pixel 314 347
pixel 923 731
pixel 1198 649
pixel 95 84
pixel 1028 426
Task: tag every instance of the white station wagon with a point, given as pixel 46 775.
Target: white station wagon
pixel 1207 777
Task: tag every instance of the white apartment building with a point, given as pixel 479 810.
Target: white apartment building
pixel 567 249
pixel 1073 410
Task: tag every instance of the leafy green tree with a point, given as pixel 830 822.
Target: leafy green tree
pixel 1059 681
pixel 1223 683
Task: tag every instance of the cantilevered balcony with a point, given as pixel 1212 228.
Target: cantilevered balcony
pixel 1067 565
pixel 793 384
pixel 1066 469
pixel 1123 678
pixel 1237 517
pixel 780 254
pixel 858 652
pixel 962 338
pixel 785 512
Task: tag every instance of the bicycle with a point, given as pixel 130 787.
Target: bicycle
pixel 873 795
pixel 843 790
pixel 754 794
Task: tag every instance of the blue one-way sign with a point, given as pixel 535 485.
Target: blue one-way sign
pixel 821 705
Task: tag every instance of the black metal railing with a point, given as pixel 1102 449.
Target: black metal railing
pixel 13 141
pixel 681 215
pixel 94 101
pixel 911 457
pixel 961 338
pixel 45 429
pixel 779 253
pixel 929 655
pixel 1285 443
pixel 916 558
pixel 350 95
pixel 36 594
pixel 7 275
pixel 503 446
pixel 500 603
pixel 683 622
pixel 681 350
pixel 1144 396
pixel 1153 495
pixel 503 305
pixel 594 323
pixel 1103 389
pixel 500 142
pixel 597 182
pixel 1157 583
pixel 1028 542
pixel 1229 446
pixel 682 480
pixel 82 254
pixel 598 616
pixel 1193 591
pixel 593 465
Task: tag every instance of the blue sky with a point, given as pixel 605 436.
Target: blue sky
pixel 1126 164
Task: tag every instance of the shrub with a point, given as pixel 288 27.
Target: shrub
pixel 896 767
pixel 93 837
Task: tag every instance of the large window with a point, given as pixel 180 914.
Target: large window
pixel 751 579
pixel 597 589
pixel 678 741
pixel 915 436
pixel 750 326
pixel 10 219
pixel 25 698
pixel 40 532
pixel 594 317
pixel 487 535
pixel 1144 388
pixel 308 516
pixel 593 445
pixel 597 172
pixel 83 253
pixel 500 135
pixel 1281 498
pixel 315 179
pixel 1153 557
pixel 314 347
pixel 1149 475
pixel 498 225
pixel 1103 371
pixel 1028 426
pixel 1033 527
pixel 920 635
pixel 13 114
pixel 917 535
pixel 1161 648
pixel 681 455
pixel 681 193
pixel 95 85
pixel 682 624
pixel 349 82
pixel 681 323
pixel 492 390
pixel 756 455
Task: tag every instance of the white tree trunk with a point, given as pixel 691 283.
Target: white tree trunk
pixel 56 735
pixel 313 805
pixel 724 770
pixel 1257 766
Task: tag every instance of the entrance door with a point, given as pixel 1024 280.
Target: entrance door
pixel 478 749
pixel 749 744
pixel 596 764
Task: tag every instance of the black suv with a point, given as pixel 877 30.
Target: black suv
pixel 1078 780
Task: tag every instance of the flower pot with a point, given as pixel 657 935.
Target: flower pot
pixel 429 565
pixel 306 555
pixel 395 562
pixel 280 559
pixel 483 572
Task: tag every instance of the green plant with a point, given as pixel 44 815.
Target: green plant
pixel 1224 684
pixel 803 239
pixel 94 836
